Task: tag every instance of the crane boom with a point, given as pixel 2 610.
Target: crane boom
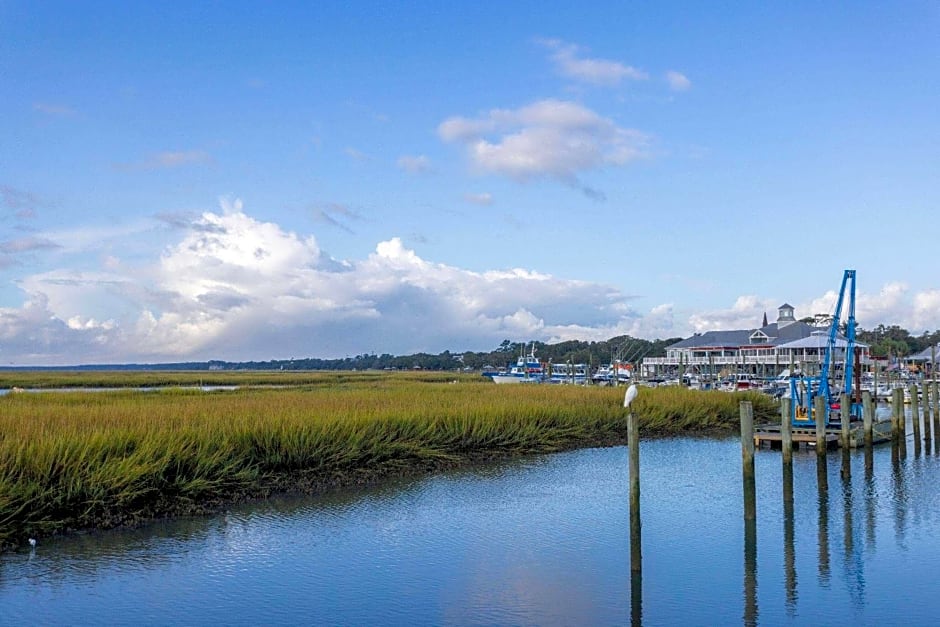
pixel 821 382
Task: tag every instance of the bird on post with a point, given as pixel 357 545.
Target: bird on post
pixel 630 395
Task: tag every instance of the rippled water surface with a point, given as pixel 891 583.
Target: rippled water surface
pixel 540 541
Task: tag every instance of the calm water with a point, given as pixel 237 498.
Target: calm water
pixel 541 541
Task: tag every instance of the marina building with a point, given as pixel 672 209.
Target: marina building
pixel 763 351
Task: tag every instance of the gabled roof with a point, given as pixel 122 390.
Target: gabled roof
pixel 742 337
pixel 925 355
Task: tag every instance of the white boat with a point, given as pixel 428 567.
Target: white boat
pixel 528 369
pixel 569 373
pixel 606 374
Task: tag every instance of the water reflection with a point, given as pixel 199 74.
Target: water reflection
pixel 822 483
pixel 750 571
pixel 789 536
pixel 541 541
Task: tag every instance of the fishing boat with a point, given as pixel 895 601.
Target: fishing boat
pixel 528 369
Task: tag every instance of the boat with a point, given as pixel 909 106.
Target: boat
pixel 569 373
pixel 739 382
pixel 606 374
pixel 528 369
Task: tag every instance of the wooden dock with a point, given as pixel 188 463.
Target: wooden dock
pixel 769 436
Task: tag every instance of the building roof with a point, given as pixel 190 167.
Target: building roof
pixel 742 337
pixel 818 340
pixel 925 355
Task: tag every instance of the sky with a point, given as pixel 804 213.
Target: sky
pixel 254 181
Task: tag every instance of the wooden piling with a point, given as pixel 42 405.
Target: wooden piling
pixel 845 412
pixel 868 418
pixel 915 417
pixel 747 459
pixel 895 420
pixel 902 424
pixel 819 417
pixel 928 438
pixel 786 431
pixel 633 442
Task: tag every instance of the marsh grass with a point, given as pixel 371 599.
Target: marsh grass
pixel 76 460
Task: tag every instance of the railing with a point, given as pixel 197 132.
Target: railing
pixel 738 360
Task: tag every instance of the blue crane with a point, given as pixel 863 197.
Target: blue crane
pixel 803 389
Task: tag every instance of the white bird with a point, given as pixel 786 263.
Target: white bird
pixel 630 395
pixel 32 542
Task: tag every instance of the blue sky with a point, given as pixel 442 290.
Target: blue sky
pixel 274 180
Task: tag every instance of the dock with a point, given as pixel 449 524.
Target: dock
pixel 769 436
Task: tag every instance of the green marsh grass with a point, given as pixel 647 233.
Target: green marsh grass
pixel 75 460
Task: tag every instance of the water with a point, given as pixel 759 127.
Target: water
pixel 543 541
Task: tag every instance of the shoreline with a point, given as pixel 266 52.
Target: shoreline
pixel 308 482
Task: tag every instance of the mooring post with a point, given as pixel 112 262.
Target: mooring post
pixel 868 418
pixel 915 417
pixel 786 431
pixel 902 423
pixel 747 459
pixel 928 438
pixel 845 413
pixel 895 419
pixel 935 397
pixel 633 442
pixel 819 417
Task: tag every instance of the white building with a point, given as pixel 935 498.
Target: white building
pixel 765 351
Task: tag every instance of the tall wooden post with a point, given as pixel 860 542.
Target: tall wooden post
pixel 845 413
pixel 902 423
pixel 819 417
pixel 633 441
pixel 750 513
pixel 786 431
pixel 915 417
pixel 747 459
pixel 895 419
pixel 868 421
pixel 928 438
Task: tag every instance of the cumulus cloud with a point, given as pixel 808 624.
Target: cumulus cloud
pixel 570 63
pixel 414 164
pixel 678 81
pixel 549 138
pixel 234 287
pixel 231 286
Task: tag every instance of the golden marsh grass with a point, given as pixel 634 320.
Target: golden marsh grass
pixel 75 460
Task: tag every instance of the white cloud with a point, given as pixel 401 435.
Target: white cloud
pixel 678 81
pixel 234 287
pixel 55 110
pixel 482 198
pixel 570 64
pixel 356 155
pixel 169 159
pixel 414 164
pixel 548 138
